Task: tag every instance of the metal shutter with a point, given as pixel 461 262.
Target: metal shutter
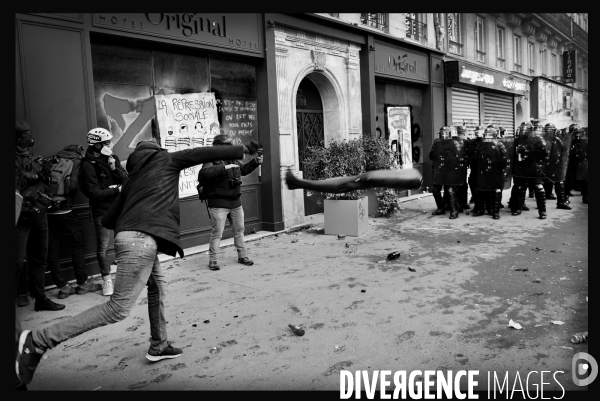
pixel 465 107
pixel 499 110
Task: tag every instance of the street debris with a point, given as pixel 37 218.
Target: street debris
pixel 562 278
pixel 341 236
pixel 294 241
pixel 339 348
pixel 558 322
pixel 381 261
pixel 363 290
pixel 194 325
pixel 579 338
pixel 296 329
pixel 562 346
pixel 514 325
pixel 536 281
pixel 393 255
pixel 412 269
pixel 347 246
pixel 524 269
pixel 537 293
pixel 207 321
pixel 537 249
pixel 538 325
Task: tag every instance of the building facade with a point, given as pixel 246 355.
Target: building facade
pixel 290 81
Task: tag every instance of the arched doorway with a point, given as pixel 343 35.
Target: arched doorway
pixel 311 132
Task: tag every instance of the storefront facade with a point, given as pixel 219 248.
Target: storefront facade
pixel 480 96
pixel 79 71
pixel 557 103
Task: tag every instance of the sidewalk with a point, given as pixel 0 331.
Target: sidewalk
pixel 445 304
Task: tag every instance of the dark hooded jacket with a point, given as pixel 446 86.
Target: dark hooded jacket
pixel 149 198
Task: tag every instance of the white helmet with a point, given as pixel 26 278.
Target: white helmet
pixel 98 135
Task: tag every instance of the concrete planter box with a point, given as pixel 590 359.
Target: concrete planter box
pixel 346 217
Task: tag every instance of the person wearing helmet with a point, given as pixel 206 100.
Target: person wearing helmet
pixel 31 232
pixel 513 195
pixel 221 185
pixel 102 176
pixel 490 174
pixel 462 194
pixel 549 130
pixel 146 222
pixel 576 177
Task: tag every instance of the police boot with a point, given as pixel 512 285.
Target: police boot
pixel 478 209
pixel 496 209
pixel 439 201
pixel 518 200
pixel 584 191
pixel 548 190
pixel 561 196
pixel 453 203
pixel 540 199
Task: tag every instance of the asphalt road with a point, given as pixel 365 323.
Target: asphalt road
pixel 359 310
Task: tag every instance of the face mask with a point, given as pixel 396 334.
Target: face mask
pixel 25 142
pixel 106 151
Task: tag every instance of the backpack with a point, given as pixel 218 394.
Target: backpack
pixel 64 175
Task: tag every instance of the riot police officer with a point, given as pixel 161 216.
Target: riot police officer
pixel 491 166
pixel 577 167
pixel 449 170
pixel 531 158
pixel 557 164
pixel 513 192
pixel 462 190
pixel 472 159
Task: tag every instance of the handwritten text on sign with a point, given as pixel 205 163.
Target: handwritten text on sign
pixel 187 121
pixel 399 126
pixel 239 120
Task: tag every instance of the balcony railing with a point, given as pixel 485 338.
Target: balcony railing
pixel 580 36
pixel 374 20
pixel 416 30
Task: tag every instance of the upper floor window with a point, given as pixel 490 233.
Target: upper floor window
pixel 479 39
pixel 530 58
pixel 416 29
pixel 554 66
pixel 374 20
pixel 543 68
pixel 454 33
pixel 500 47
pixel 517 56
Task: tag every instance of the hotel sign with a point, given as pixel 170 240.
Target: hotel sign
pixel 396 62
pixel 233 31
pixel 457 71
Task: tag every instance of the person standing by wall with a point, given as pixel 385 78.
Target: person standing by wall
pixel 102 176
pixel 221 185
pixel 31 231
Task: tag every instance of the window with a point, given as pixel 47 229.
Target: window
pixel 530 59
pixel 500 47
pixel 479 40
pixel 374 20
pixel 543 67
pixel 560 66
pixel 454 33
pixel 517 56
pixel 415 28
pixel 554 68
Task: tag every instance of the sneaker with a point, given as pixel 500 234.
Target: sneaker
pixel 107 288
pixel 88 286
pixel 22 300
pixel 65 291
pixel 28 357
pixel 245 261
pixel 46 304
pixel 168 353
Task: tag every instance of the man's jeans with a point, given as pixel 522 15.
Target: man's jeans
pixel 218 216
pixel 69 228
pixel 138 266
pixel 102 239
pixel 31 234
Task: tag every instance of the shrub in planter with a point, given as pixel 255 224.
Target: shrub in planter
pixel 340 159
pixel 379 156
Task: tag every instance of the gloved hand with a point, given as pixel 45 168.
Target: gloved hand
pixel 253 147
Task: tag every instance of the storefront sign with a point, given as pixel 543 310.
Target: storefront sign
pixel 458 71
pixel 185 122
pixel 570 66
pixel 399 127
pixel 397 62
pixel 234 31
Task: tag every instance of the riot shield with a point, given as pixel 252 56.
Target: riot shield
pixel 559 157
pixel 509 144
pixel 531 155
pixel 491 165
pixel 580 143
pixel 449 164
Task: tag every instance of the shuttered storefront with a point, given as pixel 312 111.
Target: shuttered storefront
pixel 465 107
pixel 499 110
